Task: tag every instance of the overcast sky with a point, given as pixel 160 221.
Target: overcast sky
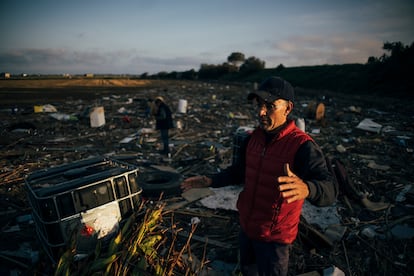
pixel 134 36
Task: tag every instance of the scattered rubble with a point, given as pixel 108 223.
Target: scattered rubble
pixel 369 230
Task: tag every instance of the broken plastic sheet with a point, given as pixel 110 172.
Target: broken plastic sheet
pixel 369 125
pixel 129 138
pixel 136 135
pixel 104 219
pixel 63 117
pixel 223 198
pixel 226 198
pixel 321 216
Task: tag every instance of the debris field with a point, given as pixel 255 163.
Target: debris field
pixel 369 231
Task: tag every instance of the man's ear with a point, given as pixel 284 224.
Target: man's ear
pixel 289 107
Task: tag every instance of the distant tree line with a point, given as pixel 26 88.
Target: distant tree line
pixel 392 70
pixel 387 74
pixel 237 66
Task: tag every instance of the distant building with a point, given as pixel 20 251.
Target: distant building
pixel 5 75
pixel 89 75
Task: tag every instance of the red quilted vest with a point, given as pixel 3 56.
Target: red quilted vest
pixel 264 215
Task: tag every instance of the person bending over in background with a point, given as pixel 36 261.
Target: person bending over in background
pixel 163 122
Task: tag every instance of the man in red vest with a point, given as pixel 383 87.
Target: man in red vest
pixel 280 166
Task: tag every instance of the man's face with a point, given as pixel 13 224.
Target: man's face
pixel 272 114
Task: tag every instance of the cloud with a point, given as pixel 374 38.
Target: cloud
pixel 159 64
pixel 291 51
pixel 63 60
pixel 318 50
pixel 56 61
pixel 31 56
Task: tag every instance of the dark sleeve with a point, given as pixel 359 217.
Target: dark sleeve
pixel 234 174
pixel 162 114
pixel 310 165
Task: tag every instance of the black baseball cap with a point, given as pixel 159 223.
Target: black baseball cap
pixel 272 89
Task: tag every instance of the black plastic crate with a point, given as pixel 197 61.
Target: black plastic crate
pixel 89 197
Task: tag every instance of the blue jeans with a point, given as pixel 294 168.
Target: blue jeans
pixel 263 258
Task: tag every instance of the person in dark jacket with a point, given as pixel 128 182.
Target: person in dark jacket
pixel 163 122
pixel 280 166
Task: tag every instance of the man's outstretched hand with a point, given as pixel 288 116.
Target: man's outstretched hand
pixel 292 187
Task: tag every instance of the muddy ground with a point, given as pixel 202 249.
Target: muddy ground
pixel 377 221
